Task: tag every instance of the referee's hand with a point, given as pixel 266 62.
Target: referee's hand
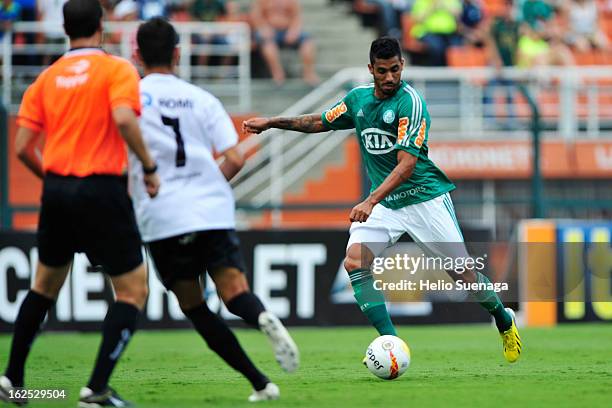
pixel 152 184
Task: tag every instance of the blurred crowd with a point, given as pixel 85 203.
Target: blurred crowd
pixel 275 24
pixel 524 33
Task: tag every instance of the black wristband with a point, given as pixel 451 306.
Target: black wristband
pixel 149 170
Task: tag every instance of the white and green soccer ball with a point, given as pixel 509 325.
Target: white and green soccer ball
pixel 387 357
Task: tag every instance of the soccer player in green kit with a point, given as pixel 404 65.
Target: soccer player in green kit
pixel 409 193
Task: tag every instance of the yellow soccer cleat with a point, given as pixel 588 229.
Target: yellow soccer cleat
pixel 512 341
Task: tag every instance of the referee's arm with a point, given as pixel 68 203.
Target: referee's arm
pixel 127 123
pixel 26 147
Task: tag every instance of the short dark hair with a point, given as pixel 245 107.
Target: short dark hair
pixel 385 48
pixel 156 40
pixel 82 18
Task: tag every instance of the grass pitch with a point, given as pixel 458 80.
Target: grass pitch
pixel 458 366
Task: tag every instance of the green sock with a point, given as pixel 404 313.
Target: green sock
pixel 371 301
pixel 493 304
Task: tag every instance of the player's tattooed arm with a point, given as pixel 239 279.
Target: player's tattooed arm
pixel 305 123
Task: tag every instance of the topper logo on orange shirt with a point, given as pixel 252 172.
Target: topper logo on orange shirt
pixel 418 141
pixel 402 129
pixel 335 112
pixel 79 67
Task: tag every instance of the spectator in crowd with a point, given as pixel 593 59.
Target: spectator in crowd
pixel 28 11
pixel 126 11
pixel 214 11
pixel 389 12
pixel 10 11
pixel 472 17
pixel 50 12
pixel 535 49
pixel 209 10
pixel 504 35
pixel 502 46
pixel 536 13
pixel 278 24
pixel 108 7
pixel 436 27
pixel 584 31
pixel 152 8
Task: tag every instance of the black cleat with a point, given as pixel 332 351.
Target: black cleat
pixel 108 398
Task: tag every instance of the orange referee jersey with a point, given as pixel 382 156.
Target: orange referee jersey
pixel 72 103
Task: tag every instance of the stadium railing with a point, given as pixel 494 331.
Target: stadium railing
pixel 216 55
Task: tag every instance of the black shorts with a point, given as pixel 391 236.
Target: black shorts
pixel 93 215
pixel 187 256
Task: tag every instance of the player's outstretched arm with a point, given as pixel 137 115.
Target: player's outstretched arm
pixel 305 123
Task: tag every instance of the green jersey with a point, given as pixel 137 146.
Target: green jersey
pixel 384 126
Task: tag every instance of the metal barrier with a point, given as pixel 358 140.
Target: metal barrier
pixel 227 45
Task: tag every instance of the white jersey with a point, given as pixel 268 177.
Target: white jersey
pixel 182 125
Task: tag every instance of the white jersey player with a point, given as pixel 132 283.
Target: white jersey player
pixel 190 227
pixel 185 125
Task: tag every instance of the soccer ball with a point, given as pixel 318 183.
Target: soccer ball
pixel 387 357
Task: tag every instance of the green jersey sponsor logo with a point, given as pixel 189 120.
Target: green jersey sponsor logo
pixel 377 141
pixel 402 195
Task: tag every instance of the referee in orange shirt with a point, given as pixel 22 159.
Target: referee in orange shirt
pixel 87 104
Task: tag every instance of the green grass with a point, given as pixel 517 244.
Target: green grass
pixel 458 366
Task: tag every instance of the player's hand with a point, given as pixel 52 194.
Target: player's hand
pixel 255 125
pixel 361 212
pixel 152 184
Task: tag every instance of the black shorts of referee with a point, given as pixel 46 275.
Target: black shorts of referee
pixel 93 215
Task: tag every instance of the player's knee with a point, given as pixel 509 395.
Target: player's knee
pixel 46 288
pixel 351 263
pixel 135 295
pixel 468 276
pixel 230 282
pixel 188 304
pixel 231 291
pixel 357 256
pixel 49 280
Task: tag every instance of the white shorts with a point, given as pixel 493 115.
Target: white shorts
pixel 432 225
